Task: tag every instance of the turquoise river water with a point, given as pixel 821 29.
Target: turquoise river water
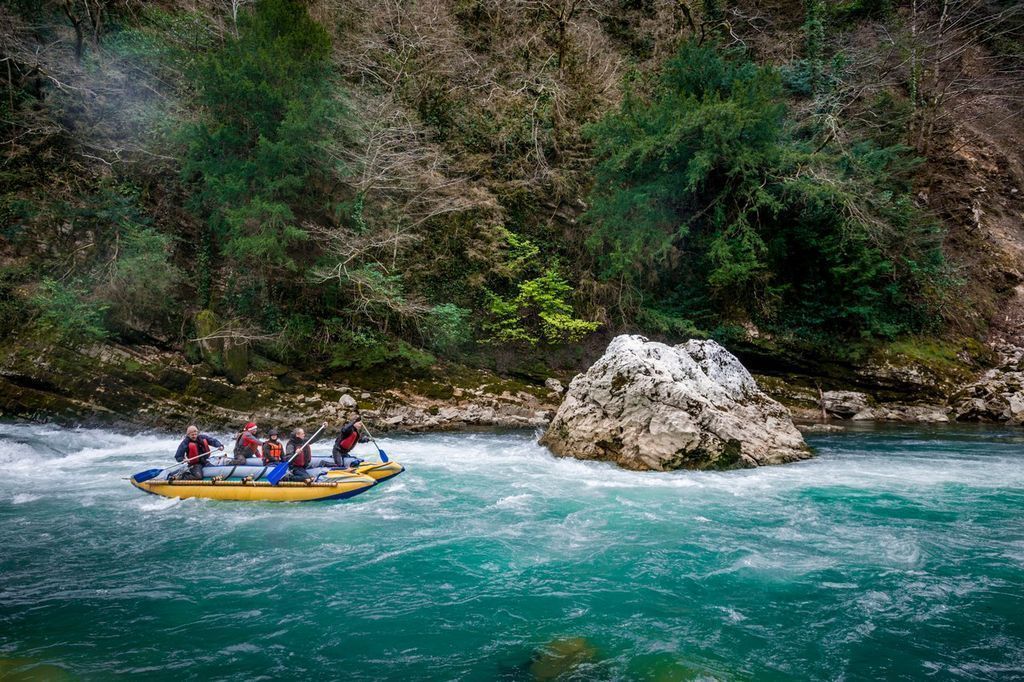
pixel 896 554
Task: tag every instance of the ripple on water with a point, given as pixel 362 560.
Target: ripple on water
pixel 893 554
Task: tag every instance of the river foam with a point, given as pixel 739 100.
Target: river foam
pixel 894 553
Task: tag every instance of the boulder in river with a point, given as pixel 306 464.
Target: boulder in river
pixel 646 405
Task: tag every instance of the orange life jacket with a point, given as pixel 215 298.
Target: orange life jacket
pixel 273 451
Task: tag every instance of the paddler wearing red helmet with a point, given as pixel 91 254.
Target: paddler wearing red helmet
pixel 247 444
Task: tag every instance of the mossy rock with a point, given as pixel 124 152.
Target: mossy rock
pixel 236 362
pixel 174 379
pixel 260 363
pixel 193 353
pixel 561 658
pixel 212 350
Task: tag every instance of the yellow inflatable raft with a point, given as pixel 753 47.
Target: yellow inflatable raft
pixel 336 488
pixel 378 471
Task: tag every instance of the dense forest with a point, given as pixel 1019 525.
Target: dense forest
pixel 378 184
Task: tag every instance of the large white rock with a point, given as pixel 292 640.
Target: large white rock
pixel 646 405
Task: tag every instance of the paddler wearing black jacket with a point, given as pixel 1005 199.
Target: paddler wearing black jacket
pixel 273 449
pixel 196 447
pixel 346 440
pixel 298 446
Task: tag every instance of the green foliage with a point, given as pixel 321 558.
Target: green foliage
pixel 521 253
pixel 255 154
pixel 66 312
pixel 538 313
pixel 362 350
pixel 814 40
pixel 704 194
pixel 849 11
pixel 448 328
pixel 13 307
pixel 141 283
pixel 666 322
pixel 713 11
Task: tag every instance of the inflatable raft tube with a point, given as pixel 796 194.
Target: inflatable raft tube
pixel 338 488
pixel 379 471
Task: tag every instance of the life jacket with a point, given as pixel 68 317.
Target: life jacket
pixel 196 449
pixel 245 445
pixel 303 456
pixel 346 443
pixel 272 451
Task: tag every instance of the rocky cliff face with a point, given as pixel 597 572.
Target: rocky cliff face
pixel 997 395
pixel 142 386
pixel 646 405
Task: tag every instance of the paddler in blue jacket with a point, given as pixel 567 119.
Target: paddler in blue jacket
pixel 196 448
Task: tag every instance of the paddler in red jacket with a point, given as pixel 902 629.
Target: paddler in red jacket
pixel 196 449
pixel 247 444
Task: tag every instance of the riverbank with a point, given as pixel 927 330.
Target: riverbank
pixel 148 387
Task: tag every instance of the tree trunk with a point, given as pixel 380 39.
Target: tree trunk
pixel 76 23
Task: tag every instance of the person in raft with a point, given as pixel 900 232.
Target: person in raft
pixel 247 444
pixel 346 440
pixel 303 455
pixel 273 449
pixel 195 447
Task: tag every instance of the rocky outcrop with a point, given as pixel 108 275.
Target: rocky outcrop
pixel 861 407
pixel 646 405
pixel 998 394
pixel 228 356
pixel 147 387
pixel 995 395
pixel 845 404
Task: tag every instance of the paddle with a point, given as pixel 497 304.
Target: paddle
pixel 144 476
pixel 281 469
pixel 380 453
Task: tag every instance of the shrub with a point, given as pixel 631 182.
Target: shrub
pixel 448 328
pixel 139 291
pixel 539 313
pixel 65 311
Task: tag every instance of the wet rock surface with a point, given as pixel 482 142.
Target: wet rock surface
pixel 646 405
pixel 147 387
pixel 998 394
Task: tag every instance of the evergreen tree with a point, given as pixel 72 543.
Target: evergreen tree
pixel 254 153
pixel 709 206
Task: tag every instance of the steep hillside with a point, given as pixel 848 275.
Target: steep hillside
pixel 381 191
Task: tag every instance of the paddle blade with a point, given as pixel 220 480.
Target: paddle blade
pixel 279 472
pixel 383 455
pixel 144 476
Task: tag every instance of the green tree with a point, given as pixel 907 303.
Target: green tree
pixel 538 313
pixel 253 155
pixel 707 203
